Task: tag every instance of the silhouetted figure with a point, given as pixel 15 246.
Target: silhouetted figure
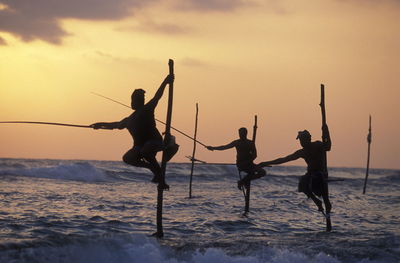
pixel 147 139
pixel 314 182
pixel 246 154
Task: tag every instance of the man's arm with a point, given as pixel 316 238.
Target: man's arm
pixel 294 156
pixel 110 125
pixel 222 147
pixel 326 138
pixel 160 91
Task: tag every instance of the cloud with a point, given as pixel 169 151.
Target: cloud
pixel 2 42
pixel 211 5
pixel 40 19
pixel 193 62
pixel 156 27
pixel 371 1
pixel 104 54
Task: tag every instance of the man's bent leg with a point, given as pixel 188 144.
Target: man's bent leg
pixel 316 200
pixel 305 187
pixel 133 158
pixel 258 173
pixel 325 197
pixel 156 169
pixel 149 152
pixel 253 172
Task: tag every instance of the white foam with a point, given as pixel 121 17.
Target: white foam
pixel 140 248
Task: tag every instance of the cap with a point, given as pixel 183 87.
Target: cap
pixel 303 134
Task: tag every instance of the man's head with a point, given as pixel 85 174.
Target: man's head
pixel 242 133
pixel 304 137
pixel 137 99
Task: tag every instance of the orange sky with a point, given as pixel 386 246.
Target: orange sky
pixel 235 58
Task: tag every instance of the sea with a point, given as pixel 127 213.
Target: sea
pixel 105 211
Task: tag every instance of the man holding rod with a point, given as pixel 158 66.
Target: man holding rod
pixel 142 127
pixel 314 182
pixel 246 154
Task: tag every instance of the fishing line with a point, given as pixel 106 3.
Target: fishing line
pixel 49 123
pixel 120 103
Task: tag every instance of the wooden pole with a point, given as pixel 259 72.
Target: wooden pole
pixel 323 113
pixel 247 200
pixel 369 140
pixel 194 151
pixel 247 196
pixel 167 137
pixel 255 129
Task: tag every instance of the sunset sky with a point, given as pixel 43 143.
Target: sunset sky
pixel 235 58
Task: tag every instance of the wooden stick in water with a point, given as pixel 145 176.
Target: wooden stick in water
pixel 323 113
pixel 194 151
pixel 167 137
pixel 247 195
pixel 369 140
pixel 255 129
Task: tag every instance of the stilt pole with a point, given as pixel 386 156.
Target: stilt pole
pixel 369 140
pixel 194 151
pixel 323 113
pixel 167 136
pixel 247 195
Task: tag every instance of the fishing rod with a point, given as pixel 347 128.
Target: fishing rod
pixel 120 103
pixel 49 123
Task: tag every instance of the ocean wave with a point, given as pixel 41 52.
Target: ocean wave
pixel 140 248
pixel 105 171
pixel 62 220
pixel 80 171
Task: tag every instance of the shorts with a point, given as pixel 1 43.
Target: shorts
pixel 247 167
pixel 148 147
pixel 251 169
pixel 314 182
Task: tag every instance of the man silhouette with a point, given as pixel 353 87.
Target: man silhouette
pixel 246 154
pixel 314 182
pixel 142 127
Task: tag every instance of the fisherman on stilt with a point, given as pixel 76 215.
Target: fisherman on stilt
pixel 314 182
pixel 142 127
pixel 246 154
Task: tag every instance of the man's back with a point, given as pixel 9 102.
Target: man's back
pixel 314 156
pixel 142 126
pixel 246 151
